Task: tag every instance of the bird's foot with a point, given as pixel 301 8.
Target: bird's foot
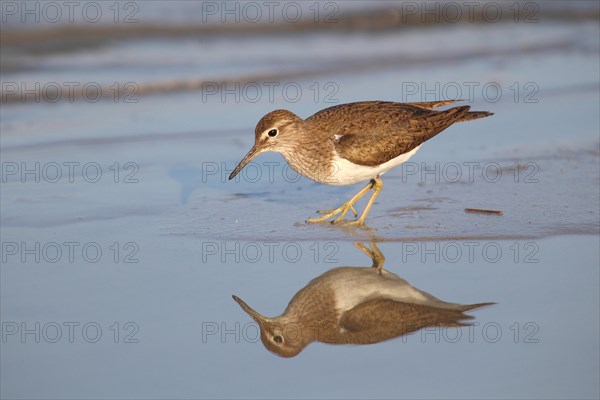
pixel 342 211
pixel 360 223
pixel 333 212
pixel 374 184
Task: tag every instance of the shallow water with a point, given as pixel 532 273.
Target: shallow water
pixel 129 272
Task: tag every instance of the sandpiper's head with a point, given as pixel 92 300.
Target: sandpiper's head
pixel 279 337
pixel 272 133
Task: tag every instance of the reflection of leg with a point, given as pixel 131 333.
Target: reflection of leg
pixel 374 254
pixel 344 208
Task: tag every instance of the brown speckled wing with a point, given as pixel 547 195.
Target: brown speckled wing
pixel 382 319
pixel 363 118
pixel 377 134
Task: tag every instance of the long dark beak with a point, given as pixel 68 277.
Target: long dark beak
pixel 255 316
pixel 254 151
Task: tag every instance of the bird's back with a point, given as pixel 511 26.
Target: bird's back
pixel 368 116
pixel 371 133
pixel 364 118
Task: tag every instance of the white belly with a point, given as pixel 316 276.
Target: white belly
pixel 347 173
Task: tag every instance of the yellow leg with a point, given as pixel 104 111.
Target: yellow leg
pixel 343 209
pixel 374 184
pixel 377 186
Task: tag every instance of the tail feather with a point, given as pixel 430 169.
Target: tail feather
pixel 445 118
pixel 468 307
pixel 430 105
pixel 434 104
pixel 475 115
pixel 456 317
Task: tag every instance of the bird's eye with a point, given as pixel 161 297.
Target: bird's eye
pixel 278 339
pixel 273 132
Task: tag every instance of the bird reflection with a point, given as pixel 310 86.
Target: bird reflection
pixel 355 305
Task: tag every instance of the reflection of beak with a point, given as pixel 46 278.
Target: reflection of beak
pixel 254 151
pixel 255 316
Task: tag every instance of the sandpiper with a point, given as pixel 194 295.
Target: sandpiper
pixel 354 142
pixel 355 305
